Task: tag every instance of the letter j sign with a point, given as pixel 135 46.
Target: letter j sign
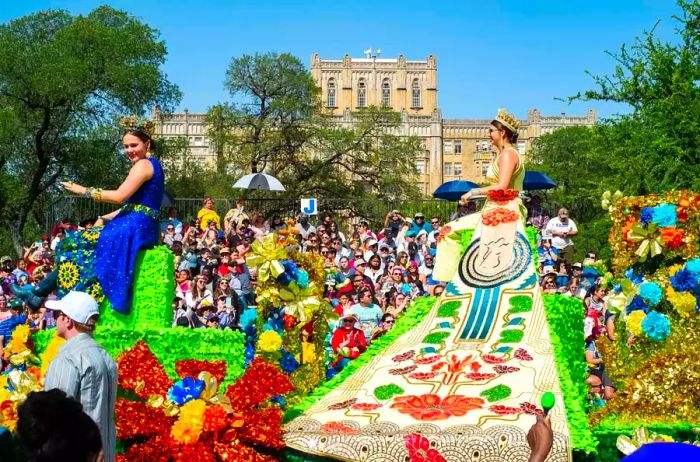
pixel 309 206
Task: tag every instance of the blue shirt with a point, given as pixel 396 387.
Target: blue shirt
pixel 370 317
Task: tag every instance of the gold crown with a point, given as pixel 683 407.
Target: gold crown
pixel 508 120
pixel 146 126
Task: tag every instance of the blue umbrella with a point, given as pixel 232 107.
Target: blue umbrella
pixel 453 190
pixel 537 180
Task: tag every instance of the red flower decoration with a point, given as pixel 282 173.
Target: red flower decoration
pixel 192 368
pixel 134 418
pixel 215 419
pixel 342 405
pixel 337 427
pixel 140 372
pixel 529 408
pixel 366 407
pixel 504 410
pixel 444 231
pixel 404 356
pixel 431 407
pixel 263 428
pixel 501 369
pixel 479 376
pixel 502 195
pixel 419 449
pixel 403 370
pixel 261 381
pixel 672 236
pixel 522 355
pixel 681 215
pixel 428 359
pixel 499 215
pixel 491 359
pixel 289 322
pixel 424 375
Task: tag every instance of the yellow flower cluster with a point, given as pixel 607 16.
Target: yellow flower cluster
pixel 50 353
pixel 684 302
pixel 634 322
pixel 190 422
pixel 269 341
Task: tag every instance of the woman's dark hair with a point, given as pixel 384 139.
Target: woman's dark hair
pixel 512 137
pixel 53 427
pixel 140 134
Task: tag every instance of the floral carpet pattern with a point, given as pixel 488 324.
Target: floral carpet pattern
pixel 464 384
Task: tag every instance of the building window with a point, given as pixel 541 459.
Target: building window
pixel 458 169
pixel 415 94
pixel 447 169
pixel 485 169
pixel 458 146
pixel 386 93
pixel 521 147
pixel 331 93
pixel 447 147
pixel 420 166
pixel 485 146
pixel 361 93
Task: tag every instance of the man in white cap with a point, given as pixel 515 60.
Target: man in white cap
pixel 82 368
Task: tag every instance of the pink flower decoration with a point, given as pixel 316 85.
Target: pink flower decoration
pixel 419 449
pixel 501 369
pixel 404 356
pixel 522 355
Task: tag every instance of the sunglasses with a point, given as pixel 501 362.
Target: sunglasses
pixel 434 222
pixel 389 321
pixel 170 229
pixel 348 321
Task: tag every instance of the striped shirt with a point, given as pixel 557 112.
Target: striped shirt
pixel 86 373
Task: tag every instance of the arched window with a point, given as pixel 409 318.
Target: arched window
pixel 415 94
pixel 386 93
pixel 361 93
pixel 330 99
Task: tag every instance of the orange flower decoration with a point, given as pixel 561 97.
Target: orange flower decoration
pixel 497 216
pixel 502 196
pixel 672 236
pixel 431 407
pixel 444 231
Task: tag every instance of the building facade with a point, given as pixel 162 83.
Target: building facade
pixel 452 148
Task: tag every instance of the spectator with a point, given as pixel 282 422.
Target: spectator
pixel 259 227
pixel 212 321
pixel 435 230
pixel 82 368
pixel 360 267
pixel 171 220
pixel 171 236
pixel 374 270
pixel 537 216
pixel 562 229
pixel 562 275
pixel 386 325
pixel 573 288
pixel 548 255
pixel 305 228
pixel 207 215
pixel 419 224
pixel 597 379
pixel 393 221
pixel 597 308
pixel 348 342
pixel 198 294
pixel 438 290
pixel 426 270
pixel 397 304
pixel 549 283
pixel 368 313
pixel 334 233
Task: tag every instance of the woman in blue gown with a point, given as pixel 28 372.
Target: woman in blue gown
pixel 101 261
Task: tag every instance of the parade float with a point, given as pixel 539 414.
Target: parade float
pixel 457 378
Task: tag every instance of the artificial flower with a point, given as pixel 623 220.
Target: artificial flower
pixel 637 304
pixel 502 195
pixel 430 407
pixel 288 362
pixel 683 281
pixel 672 236
pixel 656 326
pixel 420 449
pixel 693 266
pixel 646 216
pixel 269 341
pixel 186 390
pixel 499 215
pixel 664 215
pixel 303 279
pixel 684 303
pixel 633 322
pixel 650 292
pixel 190 422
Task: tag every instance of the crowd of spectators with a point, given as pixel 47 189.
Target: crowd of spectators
pixel 374 274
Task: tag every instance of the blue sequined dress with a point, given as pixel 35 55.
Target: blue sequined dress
pixel 101 261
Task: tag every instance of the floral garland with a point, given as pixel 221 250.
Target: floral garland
pixel 663 226
pixel 191 417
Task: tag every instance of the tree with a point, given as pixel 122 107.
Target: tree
pixel 63 82
pixel 276 125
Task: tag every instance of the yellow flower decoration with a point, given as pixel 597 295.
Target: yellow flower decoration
pixel 96 292
pixel 50 353
pixel 18 341
pixel 270 341
pixel 68 274
pixel 634 322
pixel 190 422
pixel 92 235
pixel 299 302
pixel 683 302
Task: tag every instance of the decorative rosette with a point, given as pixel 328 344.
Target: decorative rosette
pixel 502 196
pixel 499 215
pixel 266 256
pixel 300 302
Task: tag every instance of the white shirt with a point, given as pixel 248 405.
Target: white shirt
pixel 556 225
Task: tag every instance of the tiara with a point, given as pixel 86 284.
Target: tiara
pixel 508 120
pixel 136 123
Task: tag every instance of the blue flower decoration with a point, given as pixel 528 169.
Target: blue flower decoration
pixel 303 279
pixel 186 390
pixel 656 326
pixel 288 362
pixel 637 304
pixel 291 271
pixel 650 292
pixel 646 216
pixel 632 276
pixel 249 353
pixel 275 321
pixel 279 399
pixel 330 373
pixel 683 281
pixel 664 215
pixel 693 266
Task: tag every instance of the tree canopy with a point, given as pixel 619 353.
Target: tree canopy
pixel 63 82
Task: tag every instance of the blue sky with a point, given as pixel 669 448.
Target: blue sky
pixel 517 54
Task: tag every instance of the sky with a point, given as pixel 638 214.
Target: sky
pixel 516 54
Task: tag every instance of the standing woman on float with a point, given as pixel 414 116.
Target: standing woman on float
pixel 101 261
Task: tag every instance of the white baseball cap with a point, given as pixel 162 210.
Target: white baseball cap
pixel 78 306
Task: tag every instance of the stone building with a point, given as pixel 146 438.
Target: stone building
pixel 453 148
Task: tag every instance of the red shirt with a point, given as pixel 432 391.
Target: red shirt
pixel 356 340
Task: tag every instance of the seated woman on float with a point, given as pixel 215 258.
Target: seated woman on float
pixel 101 261
pixel 506 172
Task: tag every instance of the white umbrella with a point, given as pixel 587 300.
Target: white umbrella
pixel 259 181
